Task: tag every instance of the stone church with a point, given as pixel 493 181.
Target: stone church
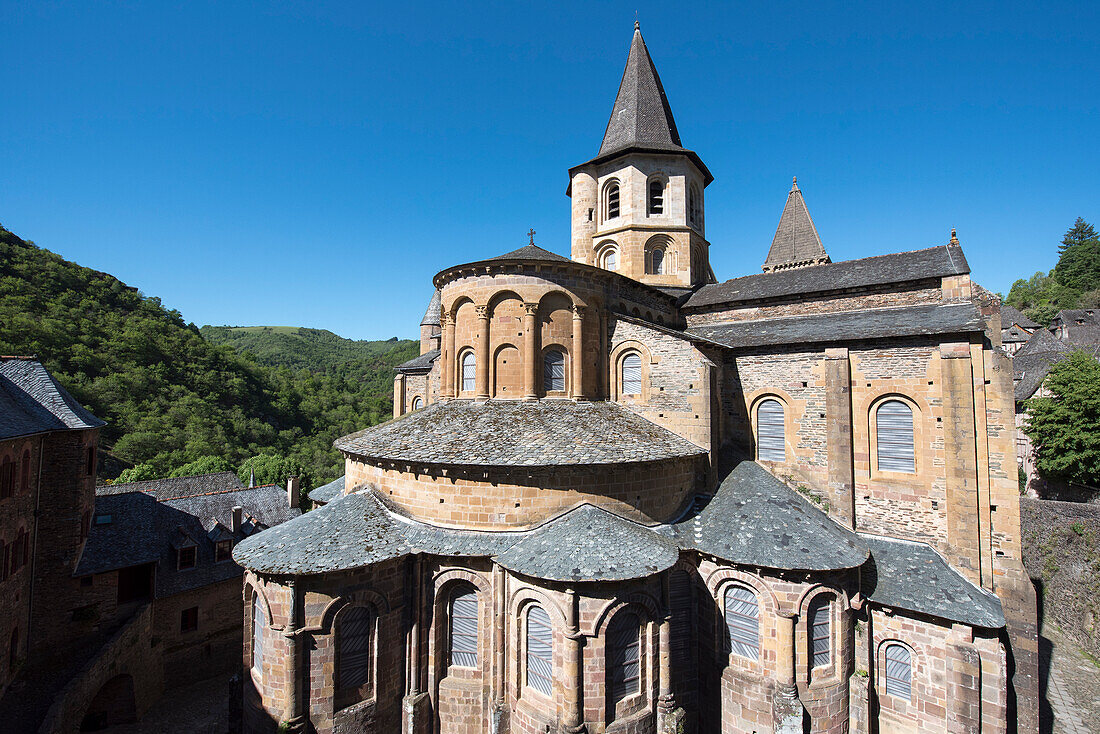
pixel 621 496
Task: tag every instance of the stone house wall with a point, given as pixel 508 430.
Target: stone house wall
pixel 17 522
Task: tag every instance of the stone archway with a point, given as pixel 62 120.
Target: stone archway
pixel 113 704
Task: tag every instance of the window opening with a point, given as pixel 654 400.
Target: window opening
pixel 743 622
pixel 353 647
pixel 657 261
pixel 656 197
pixel 624 641
pixel 899 672
pixel 257 634
pixel 187 557
pixel 894 431
pixel 469 371
pixel 820 632
pixel 540 651
pixel 632 374
pixel 464 629
pixel 189 619
pixel 554 371
pixel 613 201
pixel 770 434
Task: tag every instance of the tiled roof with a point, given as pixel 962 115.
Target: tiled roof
pixel 1010 315
pixel 796 242
pixel 900 267
pixel 914 577
pixel 590 544
pixel 32 401
pixel 356 530
pixel 878 323
pixel 532 252
pixel 144 530
pixel 514 433
pixel 328 492
pixel 431 315
pixel 166 489
pixel 1031 365
pixel 420 363
pixel 756 520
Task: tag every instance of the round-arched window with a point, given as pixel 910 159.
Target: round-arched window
pixel 553 376
pixel 611 200
pixel 770 431
pixel 610 259
pixel 656 197
pixel 894 434
pixel 469 372
pixel 418 403
pixel 657 261
pixel 624 655
pixel 632 374
pixel 899 671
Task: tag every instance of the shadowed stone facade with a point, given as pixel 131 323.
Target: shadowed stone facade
pixel 633 499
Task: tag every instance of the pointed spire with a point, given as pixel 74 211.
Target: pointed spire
pixel 954 237
pixel 641 116
pixel 796 243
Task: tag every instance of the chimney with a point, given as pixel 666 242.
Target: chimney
pixel 235 523
pixel 292 491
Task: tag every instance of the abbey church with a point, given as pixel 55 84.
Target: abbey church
pixel 619 495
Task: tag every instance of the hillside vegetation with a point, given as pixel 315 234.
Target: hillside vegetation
pixel 172 399
pixel 1073 283
pixel 297 347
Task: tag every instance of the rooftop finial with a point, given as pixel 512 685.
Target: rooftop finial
pixel 954 237
pixel 531 234
pixel 637 25
pixel 794 183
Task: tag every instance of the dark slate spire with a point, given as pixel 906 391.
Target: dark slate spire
pixel 796 244
pixel 641 117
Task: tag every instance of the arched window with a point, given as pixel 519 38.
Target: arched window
pixel 743 622
pixel 258 625
pixel 821 631
pixel 632 374
pixel 656 197
pixel 609 259
pixel 899 672
pixel 695 217
pixel 611 200
pixel 624 655
pixel 418 403
pixel 657 261
pixel 770 431
pixel 894 432
pixel 464 628
pixel 353 647
pixel 469 372
pixel 25 481
pixel 540 651
pixel 553 372
pixel 7 477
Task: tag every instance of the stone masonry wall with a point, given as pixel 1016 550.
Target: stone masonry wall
pixel 17 521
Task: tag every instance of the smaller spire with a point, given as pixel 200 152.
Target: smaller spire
pixel 637 25
pixel 954 237
pixel 794 183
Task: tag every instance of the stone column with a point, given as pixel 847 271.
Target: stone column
pixel 399 396
pixel 447 355
pixel 961 456
pixel 293 719
pixel 669 718
pixel 964 682
pixel 482 382
pixel 530 351
pixel 573 672
pixel 414 708
pixel 578 353
pixel 787 710
pixel 838 435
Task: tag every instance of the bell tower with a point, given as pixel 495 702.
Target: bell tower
pixel 638 205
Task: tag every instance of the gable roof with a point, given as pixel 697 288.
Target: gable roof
pixel 796 243
pixel 32 401
pixel 431 315
pixel 1010 316
pixel 420 363
pixel 1031 365
pixel 899 267
pixel 328 492
pixel 175 488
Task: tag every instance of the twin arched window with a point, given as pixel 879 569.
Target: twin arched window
pixel 770 431
pixel 469 372
pixel 611 200
pixel 353 647
pixel 899 671
pixel 656 197
pixel 894 435
pixel 609 259
pixel 632 374
pixel 464 628
pixel 259 622
pixel 418 403
pixel 624 655
pixel 742 612
pixel 657 261
pixel 540 651
pixel 820 624
pixel 553 371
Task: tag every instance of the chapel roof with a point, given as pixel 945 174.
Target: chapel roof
pixel 32 401
pixel 328 492
pixel 899 267
pixel 952 318
pixel 419 363
pixel 532 252
pixel 522 434
pixel 432 313
pixel 796 243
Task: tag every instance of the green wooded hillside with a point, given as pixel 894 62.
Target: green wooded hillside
pixel 301 348
pixel 170 396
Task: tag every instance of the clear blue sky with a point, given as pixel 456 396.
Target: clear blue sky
pixel 316 163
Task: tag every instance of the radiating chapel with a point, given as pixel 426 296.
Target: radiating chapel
pixel 618 495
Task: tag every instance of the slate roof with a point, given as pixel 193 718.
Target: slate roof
pixel 419 364
pixel 32 401
pixel 796 242
pixel 1014 334
pixel 914 577
pixel 328 492
pixel 1010 315
pixel 514 433
pixel 584 544
pixel 900 267
pixel 756 520
pixel 1031 365
pixel 953 318
pixel 166 489
pixel 431 315
pixel 144 529
pixel 641 119
pixel 532 252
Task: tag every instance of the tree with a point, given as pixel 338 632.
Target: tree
pixel 1065 428
pixel 203 465
pixel 1078 265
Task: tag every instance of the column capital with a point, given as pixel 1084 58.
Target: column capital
pixel 578 310
pixel 531 309
pixel 482 312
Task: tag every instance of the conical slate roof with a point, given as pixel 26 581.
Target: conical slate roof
pixel 641 116
pixel 796 243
